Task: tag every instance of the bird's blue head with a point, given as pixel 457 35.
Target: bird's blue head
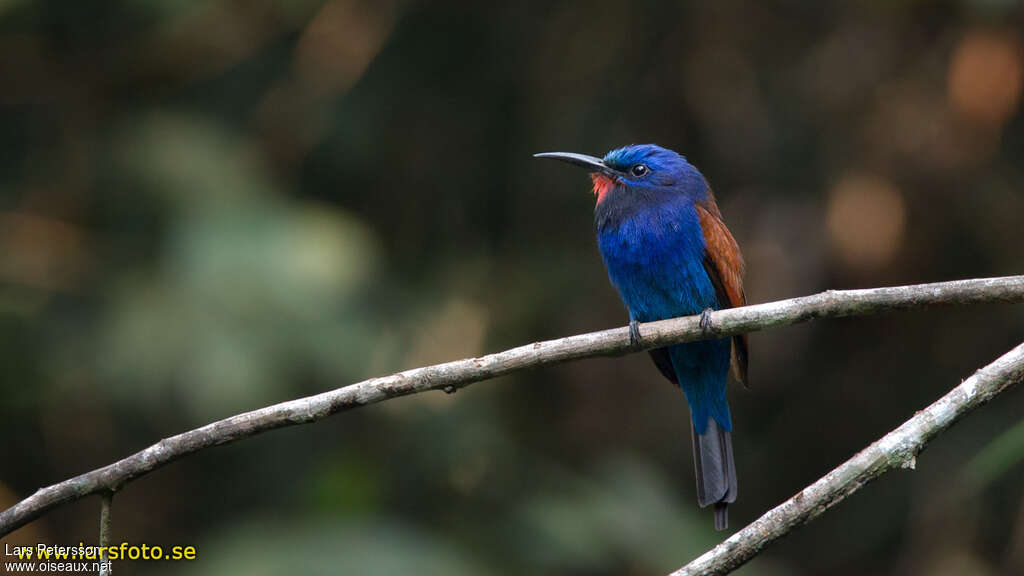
pixel 638 174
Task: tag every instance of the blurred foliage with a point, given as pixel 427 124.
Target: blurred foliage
pixel 208 207
pixel 1001 454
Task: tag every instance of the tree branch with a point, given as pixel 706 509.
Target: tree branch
pixel 897 449
pixel 108 500
pixel 453 375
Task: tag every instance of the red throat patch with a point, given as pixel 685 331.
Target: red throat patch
pixel 602 185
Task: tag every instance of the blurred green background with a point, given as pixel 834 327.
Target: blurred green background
pixel 208 207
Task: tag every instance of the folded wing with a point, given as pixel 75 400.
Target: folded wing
pixel 724 265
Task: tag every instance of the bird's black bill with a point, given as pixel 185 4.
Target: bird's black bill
pixel 588 162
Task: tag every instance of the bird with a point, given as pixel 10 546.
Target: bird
pixel 668 253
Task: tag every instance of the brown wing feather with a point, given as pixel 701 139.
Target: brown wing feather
pixel 724 265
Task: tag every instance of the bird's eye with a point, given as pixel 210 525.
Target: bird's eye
pixel 638 170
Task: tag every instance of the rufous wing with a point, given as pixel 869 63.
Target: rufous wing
pixel 724 265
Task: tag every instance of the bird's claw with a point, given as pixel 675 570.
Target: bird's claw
pixel 450 389
pixel 634 333
pixel 705 320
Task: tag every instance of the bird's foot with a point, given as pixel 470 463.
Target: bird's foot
pixel 634 333
pixel 705 320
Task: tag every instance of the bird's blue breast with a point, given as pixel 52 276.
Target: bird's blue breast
pixel 655 260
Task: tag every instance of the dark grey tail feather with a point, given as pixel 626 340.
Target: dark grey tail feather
pixel 721 515
pixel 716 472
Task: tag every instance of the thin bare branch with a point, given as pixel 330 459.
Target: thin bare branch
pixel 457 374
pixel 897 449
pixel 108 500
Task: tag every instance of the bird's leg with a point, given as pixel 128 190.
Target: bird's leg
pixel 705 320
pixel 634 332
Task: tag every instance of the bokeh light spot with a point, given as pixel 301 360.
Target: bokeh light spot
pixel 866 221
pixel 986 75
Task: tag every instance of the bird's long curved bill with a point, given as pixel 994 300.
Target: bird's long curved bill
pixel 582 160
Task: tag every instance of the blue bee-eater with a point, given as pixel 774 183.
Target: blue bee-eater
pixel 669 254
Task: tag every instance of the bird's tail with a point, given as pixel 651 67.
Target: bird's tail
pixel 716 472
